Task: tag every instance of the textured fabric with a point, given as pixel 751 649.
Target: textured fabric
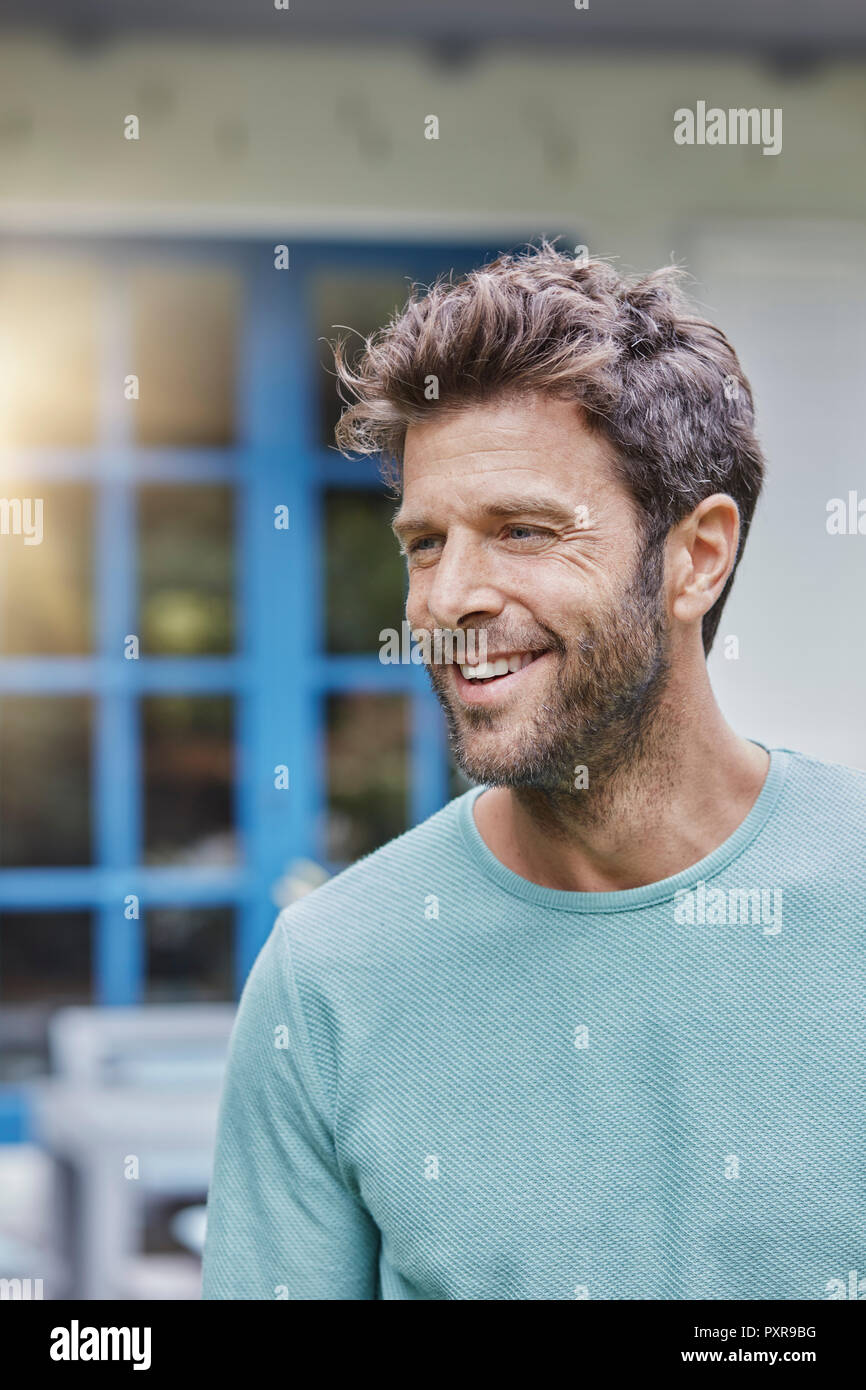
pixel 446 1082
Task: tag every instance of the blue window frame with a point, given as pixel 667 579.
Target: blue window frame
pixel 280 674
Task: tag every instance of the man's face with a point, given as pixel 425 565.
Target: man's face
pixel 513 522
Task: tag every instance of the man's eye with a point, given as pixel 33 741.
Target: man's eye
pixel 520 531
pixel 420 543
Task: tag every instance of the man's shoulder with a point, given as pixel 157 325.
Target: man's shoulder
pixel 838 782
pixel 367 904
pixel 828 799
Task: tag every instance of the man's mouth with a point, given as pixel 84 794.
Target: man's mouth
pixel 488 681
pixel 500 666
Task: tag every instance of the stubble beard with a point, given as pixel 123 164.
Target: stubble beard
pixel 600 711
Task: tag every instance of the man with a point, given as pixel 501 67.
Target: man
pixel 595 1029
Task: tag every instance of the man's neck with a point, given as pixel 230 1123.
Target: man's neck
pixel 693 785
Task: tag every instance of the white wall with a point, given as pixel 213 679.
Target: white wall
pixel 793 299
pixel 333 139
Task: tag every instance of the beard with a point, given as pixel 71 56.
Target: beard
pixel 600 707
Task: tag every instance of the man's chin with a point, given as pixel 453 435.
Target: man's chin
pixel 498 745
pixel 508 760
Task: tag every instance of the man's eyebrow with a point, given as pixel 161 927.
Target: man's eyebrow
pixel 516 504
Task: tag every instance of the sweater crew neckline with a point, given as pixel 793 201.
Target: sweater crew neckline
pixel 627 899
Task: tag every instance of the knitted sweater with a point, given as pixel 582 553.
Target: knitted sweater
pixel 448 1082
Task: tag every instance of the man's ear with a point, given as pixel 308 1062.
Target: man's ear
pixel 702 551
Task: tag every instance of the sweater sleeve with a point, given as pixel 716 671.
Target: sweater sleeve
pixel 281 1222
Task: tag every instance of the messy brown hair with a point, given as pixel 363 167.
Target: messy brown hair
pixel 661 384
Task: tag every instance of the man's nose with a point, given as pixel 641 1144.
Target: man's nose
pixel 463 585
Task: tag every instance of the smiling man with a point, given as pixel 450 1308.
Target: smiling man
pixel 555 1043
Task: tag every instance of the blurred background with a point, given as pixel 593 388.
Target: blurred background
pixel 195 727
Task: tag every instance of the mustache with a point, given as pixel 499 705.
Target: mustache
pixel 498 639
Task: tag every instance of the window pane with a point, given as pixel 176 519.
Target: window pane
pixel 365 572
pixel 188 779
pixel 349 306
pixel 187 557
pixel 189 954
pixel 185 328
pixel 48 352
pixel 367 773
pixel 46 589
pixel 45 961
pixel 45 808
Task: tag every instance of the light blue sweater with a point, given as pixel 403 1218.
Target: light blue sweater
pixel 447 1082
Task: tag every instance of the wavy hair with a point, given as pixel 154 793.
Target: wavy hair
pixel 663 385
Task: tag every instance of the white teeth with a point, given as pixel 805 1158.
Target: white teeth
pixel 502 666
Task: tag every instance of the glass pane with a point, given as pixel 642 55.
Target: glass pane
pixel 187 558
pixel 46 589
pixel 189 954
pixel 188 758
pixel 45 808
pixel 349 305
pixel 365 572
pixel 367 773
pixel 45 961
pixel 48 352
pixel 185 330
